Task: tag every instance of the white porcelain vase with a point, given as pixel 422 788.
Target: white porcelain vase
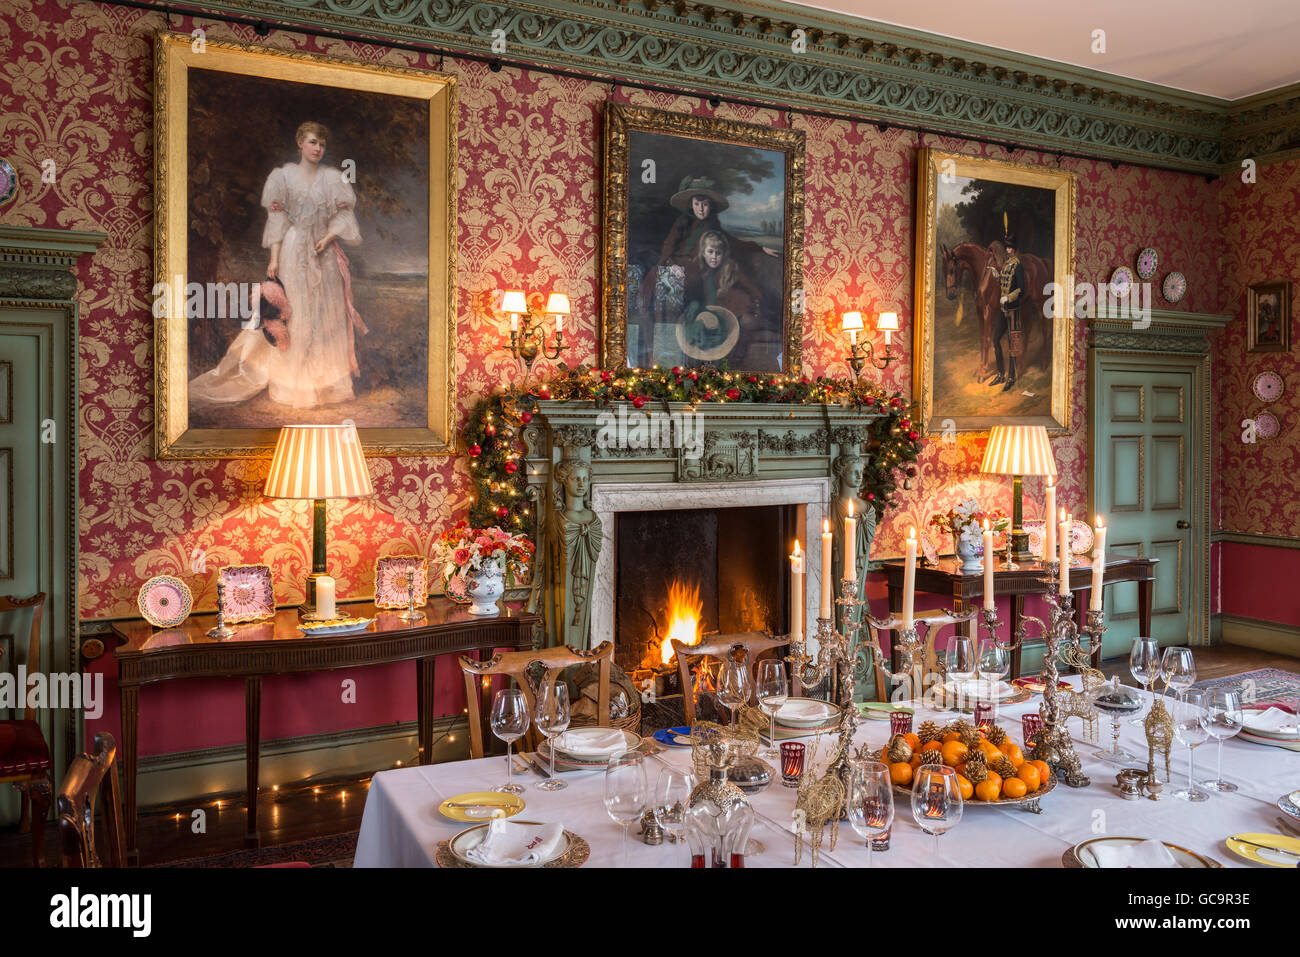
pixel 485 587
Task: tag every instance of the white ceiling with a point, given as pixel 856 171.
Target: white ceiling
pixel 1223 49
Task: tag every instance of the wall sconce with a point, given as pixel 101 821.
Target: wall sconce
pixel 887 323
pixel 527 342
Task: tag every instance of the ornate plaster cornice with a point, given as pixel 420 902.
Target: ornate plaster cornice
pixel 878 72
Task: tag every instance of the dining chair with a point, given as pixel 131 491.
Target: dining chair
pixel 91 784
pixel 718 647
pixel 24 755
pixel 516 664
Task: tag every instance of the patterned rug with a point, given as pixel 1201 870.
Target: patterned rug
pixel 1268 685
pixel 334 851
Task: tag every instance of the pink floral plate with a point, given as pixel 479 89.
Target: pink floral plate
pixel 250 594
pixel 393 581
pixel 1174 286
pixel 1034 528
pixel 1148 260
pixel 1121 281
pixel 1268 387
pixel 1081 537
pixel 1267 425
pixel 8 182
pixel 164 601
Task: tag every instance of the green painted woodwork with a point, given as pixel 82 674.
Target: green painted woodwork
pixel 865 69
pixel 38 455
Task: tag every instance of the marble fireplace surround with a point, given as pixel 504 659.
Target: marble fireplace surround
pixel 607 500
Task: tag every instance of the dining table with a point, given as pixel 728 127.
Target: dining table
pixel 402 827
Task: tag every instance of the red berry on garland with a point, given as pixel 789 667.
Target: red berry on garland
pixel 733 393
pixel 692 376
pixel 491 430
pixel 511 468
pixel 604 377
pixel 913 435
pixel 871 496
pixel 804 380
pixel 502 511
pixel 896 402
pixel 906 423
pixel 753 378
pixel 870 401
pixel 708 394
pixel 544 394
pixel 474 450
pixel 638 402
pixel 677 370
pixel 525 417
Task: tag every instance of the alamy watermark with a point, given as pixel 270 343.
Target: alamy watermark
pixel 208 300
pixel 651 430
pixel 55 690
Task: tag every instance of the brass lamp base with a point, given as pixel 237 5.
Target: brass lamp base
pixel 1020 546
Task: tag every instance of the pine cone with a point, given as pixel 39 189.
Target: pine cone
pixel 898 749
pixel 1002 765
pixel 996 735
pixel 929 731
pixel 970 736
pixel 976 769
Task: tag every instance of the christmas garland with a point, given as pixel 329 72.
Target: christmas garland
pixel 493 443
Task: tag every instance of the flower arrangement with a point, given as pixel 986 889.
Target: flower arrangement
pixel 463 551
pixel 965 521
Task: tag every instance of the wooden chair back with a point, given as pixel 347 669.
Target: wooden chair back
pixel 8 603
pixel 516 665
pixel 718 646
pixel 91 780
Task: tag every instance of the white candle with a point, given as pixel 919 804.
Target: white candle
pixel 1049 526
pixel 559 324
pixel 1098 564
pixel 325 597
pixel 514 322
pixel 909 578
pixel 828 551
pixel 1064 588
pixel 851 545
pixel 796 594
pixel 988 566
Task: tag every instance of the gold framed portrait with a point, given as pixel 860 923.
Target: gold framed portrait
pixel 304 254
pixel 994 321
pixel 703 262
pixel 1268 317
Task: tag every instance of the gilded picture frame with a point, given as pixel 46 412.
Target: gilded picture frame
pixel 1268 317
pixel 967 208
pixel 405 217
pixel 730 289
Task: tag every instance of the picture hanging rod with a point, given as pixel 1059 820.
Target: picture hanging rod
pixel 262 27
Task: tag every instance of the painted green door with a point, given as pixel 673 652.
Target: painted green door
pixel 1145 484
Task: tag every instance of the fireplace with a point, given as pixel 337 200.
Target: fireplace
pixel 683 573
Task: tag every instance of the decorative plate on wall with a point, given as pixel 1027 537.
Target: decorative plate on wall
pixel 1147 262
pixel 1268 387
pixel 165 601
pixel 1121 281
pixel 1174 286
pixel 1267 425
pixel 250 596
pixel 8 182
pixel 1081 537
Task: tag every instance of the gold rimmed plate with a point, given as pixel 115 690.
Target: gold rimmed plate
pixel 572 852
pixel 1081 854
pixel 488 803
pixel 1275 850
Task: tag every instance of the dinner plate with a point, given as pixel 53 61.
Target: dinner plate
pixel 573 747
pixel 672 737
pixel 1280 736
pixel 1289 804
pixel 1264 855
pixel 1082 853
pixel 1289 743
pixel 337 626
pixel 512 804
pixel 470 838
pixel 881 710
pixel 812 713
pixel 969 700
pixel 1038 686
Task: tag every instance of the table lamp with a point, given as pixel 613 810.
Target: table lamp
pixel 1019 450
pixel 318 462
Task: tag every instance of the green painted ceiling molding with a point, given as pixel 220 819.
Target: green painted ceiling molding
pixel 877 71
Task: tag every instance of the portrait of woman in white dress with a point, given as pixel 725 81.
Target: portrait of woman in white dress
pixel 310 211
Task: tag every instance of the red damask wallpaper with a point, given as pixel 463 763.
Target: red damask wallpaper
pixel 76 87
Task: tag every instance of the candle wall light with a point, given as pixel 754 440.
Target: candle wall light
pixel 528 332
pixel 862 353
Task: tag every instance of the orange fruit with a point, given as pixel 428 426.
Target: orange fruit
pixel 1017 762
pixel 951 736
pixel 995 778
pixel 954 752
pixel 931 746
pixel 1044 772
pixel 1014 788
pixel 915 761
pixel 987 790
pixel 967 789
pixel 960 769
pixel 1011 750
pixel 900 772
pixel 989 748
pixel 1029 774
pixel 912 740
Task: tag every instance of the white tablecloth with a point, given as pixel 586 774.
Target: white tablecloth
pixel 401 825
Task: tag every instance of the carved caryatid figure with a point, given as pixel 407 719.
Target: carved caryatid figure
pixel 850 470
pixel 576 536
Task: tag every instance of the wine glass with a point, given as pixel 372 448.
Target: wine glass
pixel 509 721
pixel 672 792
pixel 870 801
pixel 936 799
pixel 1191 710
pixel 1178 669
pixel 960 665
pixel 1223 719
pixel 733 686
pixel 551 717
pixel 1144 666
pixel 994 663
pixel 625 792
pixel 772 694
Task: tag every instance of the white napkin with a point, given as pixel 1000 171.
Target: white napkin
pixel 1271 720
pixel 516 845
pixel 1144 854
pixel 593 742
pixel 987 690
pixel 802 710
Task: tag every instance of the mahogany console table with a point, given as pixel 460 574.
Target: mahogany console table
pixel 146 655
pixel 966 588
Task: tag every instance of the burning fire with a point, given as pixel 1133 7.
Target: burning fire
pixel 684 611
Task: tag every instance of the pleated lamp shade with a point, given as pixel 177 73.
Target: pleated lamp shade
pixel 318 461
pixel 1019 450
